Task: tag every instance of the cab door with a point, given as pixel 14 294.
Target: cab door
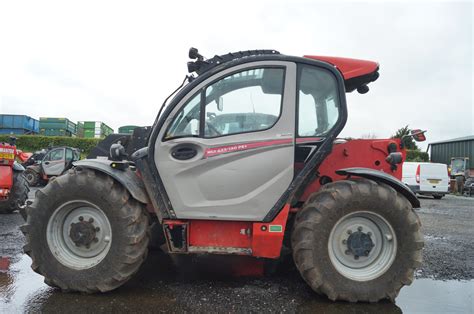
pixel 53 162
pixel 226 151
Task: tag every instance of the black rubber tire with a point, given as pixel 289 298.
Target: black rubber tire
pixel 32 177
pixel 323 210
pixel 18 195
pixel 128 220
pixel 437 197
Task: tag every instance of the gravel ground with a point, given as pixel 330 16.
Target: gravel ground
pixel 161 287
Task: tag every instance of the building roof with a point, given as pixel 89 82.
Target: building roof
pixel 459 139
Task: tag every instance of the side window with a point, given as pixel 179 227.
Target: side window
pixel 69 154
pixel 244 102
pixel 77 156
pixel 318 102
pixel 186 121
pixel 57 154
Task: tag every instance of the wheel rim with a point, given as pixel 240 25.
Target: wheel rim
pixel 79 234
pixel 362 246
pixel 30 177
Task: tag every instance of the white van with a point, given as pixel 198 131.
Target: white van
pixel 426 178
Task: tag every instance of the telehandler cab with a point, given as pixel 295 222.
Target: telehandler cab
pixel 239 162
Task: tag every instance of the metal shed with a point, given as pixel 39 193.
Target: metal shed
pixel 442 151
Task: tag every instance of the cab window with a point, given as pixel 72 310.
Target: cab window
pixel 243 102
pixel 318 101
pixel 186 121
pixel 69 155
pixel 55 155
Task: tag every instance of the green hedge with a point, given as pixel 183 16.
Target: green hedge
pixel 32 143
pixel 417 155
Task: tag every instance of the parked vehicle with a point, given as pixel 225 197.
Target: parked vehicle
pixel 469 186
pixel 13 186
pixel 34 158
pixel 55 162
pixel 426 178
pixel 245 186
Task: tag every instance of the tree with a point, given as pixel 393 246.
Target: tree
pixel 408 141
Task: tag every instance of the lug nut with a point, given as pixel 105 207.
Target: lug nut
pixel 91 220
pixel 349 231
pixel 81 218
pixel 107 239
pixel 97 229
pixel 96 240
pixel 356 256
pixel 348 252
pixel 367 253
pixel 359 228
pixel 344 241
pixel 369 233
pixel 389 237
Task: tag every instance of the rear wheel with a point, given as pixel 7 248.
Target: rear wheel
pixel 437 196
pixel 32 177
pixel 18 195
pixel 85 233
pixel 357 241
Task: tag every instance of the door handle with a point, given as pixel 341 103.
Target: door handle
pixel 46 162
pixel 184 153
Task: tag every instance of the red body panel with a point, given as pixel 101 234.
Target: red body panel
pixel 235 237
pixel 349 68
pixel 266 243
pixel 234 234
pixel 6 177
pixel 356 153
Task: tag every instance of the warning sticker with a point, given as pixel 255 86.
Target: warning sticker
pixel 275 228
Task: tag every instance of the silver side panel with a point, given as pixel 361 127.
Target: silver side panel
pixel 237 185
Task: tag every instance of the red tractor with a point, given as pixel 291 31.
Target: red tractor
pixel 13 186
pixel 242 161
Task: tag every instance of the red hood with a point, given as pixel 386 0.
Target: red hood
pixel 356 72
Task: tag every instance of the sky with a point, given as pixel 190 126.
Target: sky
pixel 116 62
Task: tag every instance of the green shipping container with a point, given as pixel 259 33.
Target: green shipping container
pixel 127 129
pixel 55 132
pixel 58 123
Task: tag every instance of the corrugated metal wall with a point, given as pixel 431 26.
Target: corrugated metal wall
pixel 443 152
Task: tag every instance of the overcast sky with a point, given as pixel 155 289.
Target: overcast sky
pixel 116 62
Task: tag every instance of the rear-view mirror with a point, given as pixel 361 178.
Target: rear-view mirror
pixel 418 135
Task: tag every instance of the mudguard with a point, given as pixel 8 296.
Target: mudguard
pixel 18 167
pixel 128 178
pixel 384 178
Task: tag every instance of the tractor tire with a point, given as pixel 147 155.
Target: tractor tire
pixel 357 240
pixel 85 232
pixel 32 177
pixel 18 195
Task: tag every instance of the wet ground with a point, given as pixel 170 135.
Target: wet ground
pixel 444 283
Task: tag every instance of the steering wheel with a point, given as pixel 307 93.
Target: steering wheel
pixel 213 128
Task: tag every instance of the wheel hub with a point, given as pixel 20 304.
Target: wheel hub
pixel 360 244
pixel 83 233
pixel 79 234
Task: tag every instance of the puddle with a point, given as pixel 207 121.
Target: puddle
pixel 435 296
pixel 159 287
pixel 17 284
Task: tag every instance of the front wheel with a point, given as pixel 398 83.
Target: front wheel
pixel 18 195
pixel 85 232
pixel 357 241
